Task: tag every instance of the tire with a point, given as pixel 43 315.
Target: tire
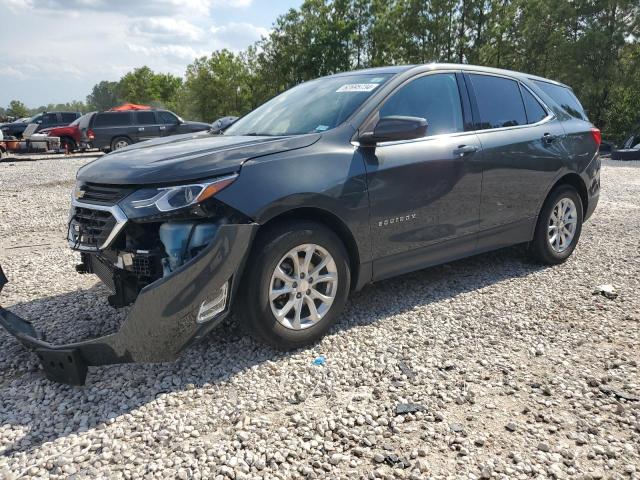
pixel 120 142
pixel 541 246
pixel 70 142
pixel 256 310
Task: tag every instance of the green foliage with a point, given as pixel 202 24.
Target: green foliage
pixel 144 86
pixel 591 45
pixel 17 109
pixel 104 95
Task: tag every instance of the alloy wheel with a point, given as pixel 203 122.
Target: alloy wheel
pixel 303 286
pixel 562 225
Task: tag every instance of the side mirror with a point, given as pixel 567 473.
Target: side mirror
pixel 389 129
pixel 220 124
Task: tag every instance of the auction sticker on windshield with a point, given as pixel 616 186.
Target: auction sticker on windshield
pixel 357 87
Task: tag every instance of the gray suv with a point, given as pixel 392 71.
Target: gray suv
pixel 114 130
pixel 334 184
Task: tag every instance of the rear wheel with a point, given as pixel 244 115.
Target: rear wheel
pixel 296 284
pixel 559 226
pixel 120 142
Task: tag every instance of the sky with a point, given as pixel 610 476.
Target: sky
pixel 54 51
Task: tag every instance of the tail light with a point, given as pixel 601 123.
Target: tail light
pixel 92 136
pixel 597 136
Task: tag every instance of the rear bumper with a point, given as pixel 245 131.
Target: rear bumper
pixel 163 320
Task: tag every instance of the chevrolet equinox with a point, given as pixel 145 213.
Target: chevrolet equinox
pixel 335 183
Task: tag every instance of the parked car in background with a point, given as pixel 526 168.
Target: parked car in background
pixel 72 136
pixel 118 129
pixel 630 149
pixel 336 183
pixel 44 120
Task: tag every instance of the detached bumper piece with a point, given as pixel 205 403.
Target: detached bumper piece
pixel 169 314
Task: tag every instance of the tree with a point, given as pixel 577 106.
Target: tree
pixel 17 109
pixel 104 95
pixel 217 86
pixel 143 85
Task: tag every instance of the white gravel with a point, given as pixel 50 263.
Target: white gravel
pixel 511 370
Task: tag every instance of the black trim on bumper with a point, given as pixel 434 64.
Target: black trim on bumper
pixel 162 322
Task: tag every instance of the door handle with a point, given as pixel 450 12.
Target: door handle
pixel 463 150
pixel 141 129
pixel 163 127
pixel 548 138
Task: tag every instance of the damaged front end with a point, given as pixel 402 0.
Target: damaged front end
pixel 173 252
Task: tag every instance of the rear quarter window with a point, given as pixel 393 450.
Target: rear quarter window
pixel 115 119
pixel 564 97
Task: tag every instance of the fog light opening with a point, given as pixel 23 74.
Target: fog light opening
pixel 210 308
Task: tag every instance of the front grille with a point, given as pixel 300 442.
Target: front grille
pixel 103 194
pixel 89 228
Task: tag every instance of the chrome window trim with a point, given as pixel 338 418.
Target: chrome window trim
pixel 118 214
pixel 550 114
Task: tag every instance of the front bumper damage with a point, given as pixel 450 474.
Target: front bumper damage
pixel 161 323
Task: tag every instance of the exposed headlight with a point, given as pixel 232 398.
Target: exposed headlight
pixel 152 201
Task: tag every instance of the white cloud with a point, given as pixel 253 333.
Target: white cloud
pixel 232 3
pixel 167 29
pixel 179 53
pixel 237 35
pixel 11 71
pixel 140 8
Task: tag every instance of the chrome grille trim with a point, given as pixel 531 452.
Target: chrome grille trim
pixel 115 210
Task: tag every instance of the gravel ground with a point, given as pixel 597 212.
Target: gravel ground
pixel 486 367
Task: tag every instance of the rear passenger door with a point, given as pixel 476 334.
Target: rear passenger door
pixel 146 125
pixel 522 152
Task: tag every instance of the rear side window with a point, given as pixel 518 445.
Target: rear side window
pixel 564 97
pixel 146 118
pixel 115 119
pixel 433 97
pixel 499 101
pixel 49 118
pixel 535 111
pixel 69 117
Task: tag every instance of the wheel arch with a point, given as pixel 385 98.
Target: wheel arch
pixel 576 182
pixel 329 220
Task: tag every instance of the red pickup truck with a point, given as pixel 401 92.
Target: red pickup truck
pixel 73 136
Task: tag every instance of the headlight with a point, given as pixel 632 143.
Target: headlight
pixel 153 201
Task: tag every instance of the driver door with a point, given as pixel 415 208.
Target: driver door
pixel 424 193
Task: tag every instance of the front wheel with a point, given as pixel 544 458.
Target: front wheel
pixel 559 226
pixel 296 284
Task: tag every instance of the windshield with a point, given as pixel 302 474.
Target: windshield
pixel 34 119
pixel 311 107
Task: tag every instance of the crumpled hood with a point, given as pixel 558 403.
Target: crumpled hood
pixel 183 158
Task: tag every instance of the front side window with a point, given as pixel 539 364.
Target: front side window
pixel 432 97
pixel 168 118
pixel 565 98
pixel 499 101
pixel 311 107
